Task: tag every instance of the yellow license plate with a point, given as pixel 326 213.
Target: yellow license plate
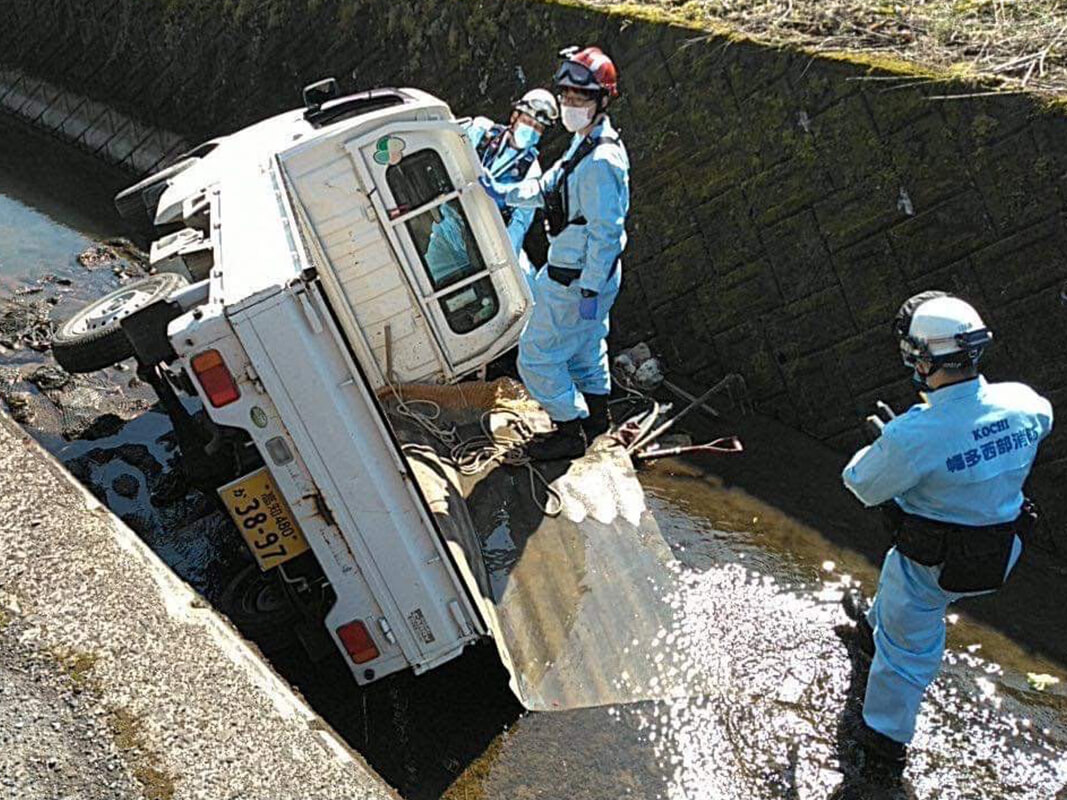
pixel 263 518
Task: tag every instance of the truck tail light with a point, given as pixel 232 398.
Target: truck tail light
pixel 218 383
pixel 356 639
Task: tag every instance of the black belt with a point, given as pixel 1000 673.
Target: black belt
pixel 568 275
pixel 564 275
pixel 972 558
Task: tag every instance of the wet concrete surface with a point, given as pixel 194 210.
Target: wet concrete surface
pixel 766 542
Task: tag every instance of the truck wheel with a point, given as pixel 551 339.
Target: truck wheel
pixel 257 605
pixel 93 338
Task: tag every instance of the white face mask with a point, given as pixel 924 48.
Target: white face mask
pixel 576 117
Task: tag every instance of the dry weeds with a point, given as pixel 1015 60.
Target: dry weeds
pixel 1018 44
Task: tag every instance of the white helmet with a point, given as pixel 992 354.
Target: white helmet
pixel 940 329
pixel 540 104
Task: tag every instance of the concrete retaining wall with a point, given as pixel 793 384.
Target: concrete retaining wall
pixel 194 712
pixel 91 125
pixel 783 205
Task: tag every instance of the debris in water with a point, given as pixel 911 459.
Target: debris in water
pixel 25 322
pixel 1040 682
pixel 121 255
pixel 47 377
pixel 18 404
pixel 828 566
pixel 126 485
pixel 96 256
pixel 638 363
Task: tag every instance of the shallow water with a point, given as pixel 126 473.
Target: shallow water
pixel 757 594
pixel 54 202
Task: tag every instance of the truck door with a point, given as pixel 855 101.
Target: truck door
pixel 448 235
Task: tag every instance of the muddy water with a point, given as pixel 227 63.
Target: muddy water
pixel 56 203
pixel 763 631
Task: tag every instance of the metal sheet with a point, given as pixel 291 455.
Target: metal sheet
pixel 581 605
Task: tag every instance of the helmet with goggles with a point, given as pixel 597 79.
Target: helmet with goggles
pixel 588 70
pixel 940 330
pixel 539 104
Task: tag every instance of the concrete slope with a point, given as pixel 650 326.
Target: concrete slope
pixel 193 711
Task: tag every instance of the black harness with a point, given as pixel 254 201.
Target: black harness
pixel 972 558
pixel 557 199
pixel 488 149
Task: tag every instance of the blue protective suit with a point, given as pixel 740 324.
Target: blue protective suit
pixel 962 457
pixel 561 355
pixel 507 167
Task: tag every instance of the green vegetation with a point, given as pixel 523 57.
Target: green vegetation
pixel 126 728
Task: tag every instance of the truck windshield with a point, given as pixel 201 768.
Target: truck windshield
pixel 443 238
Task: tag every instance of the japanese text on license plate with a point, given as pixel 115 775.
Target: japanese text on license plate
pixel 263 518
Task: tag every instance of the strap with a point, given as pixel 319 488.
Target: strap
pixel 489 146
pixel 587 146
pixel 523 164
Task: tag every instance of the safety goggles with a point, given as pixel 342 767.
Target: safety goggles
pixel 577 76
pixel 539 115
pixel 970 343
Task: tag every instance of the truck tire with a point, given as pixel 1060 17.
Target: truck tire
pixel 93 339
pixel 257 605
pixel 137 204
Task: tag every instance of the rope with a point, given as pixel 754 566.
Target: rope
pixel 479 453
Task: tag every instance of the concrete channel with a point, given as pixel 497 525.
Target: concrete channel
pixel 115 629
pixel 188 708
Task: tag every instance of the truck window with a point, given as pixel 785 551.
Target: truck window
pixel 443 238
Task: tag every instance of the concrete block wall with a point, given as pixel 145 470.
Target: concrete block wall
pixel 783 205
pixel 90 125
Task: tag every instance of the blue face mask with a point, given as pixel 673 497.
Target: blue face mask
pixel 524 137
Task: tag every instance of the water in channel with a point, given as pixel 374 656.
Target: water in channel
pixel 764 634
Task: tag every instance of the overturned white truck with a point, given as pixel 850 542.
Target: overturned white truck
pixel 315 268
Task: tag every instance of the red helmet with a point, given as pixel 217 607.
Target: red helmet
pixel 588 69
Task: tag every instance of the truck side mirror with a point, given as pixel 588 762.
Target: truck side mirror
pixel 315 94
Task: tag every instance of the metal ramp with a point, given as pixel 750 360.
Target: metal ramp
pixel 582 605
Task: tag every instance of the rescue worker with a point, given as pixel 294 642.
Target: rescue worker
pixel 953 469
pixel 563 354
pixel 508 154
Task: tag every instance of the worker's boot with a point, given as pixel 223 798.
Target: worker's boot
pixel 599 420
pixel 567 441
pixel 883 750
pixel 856 608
